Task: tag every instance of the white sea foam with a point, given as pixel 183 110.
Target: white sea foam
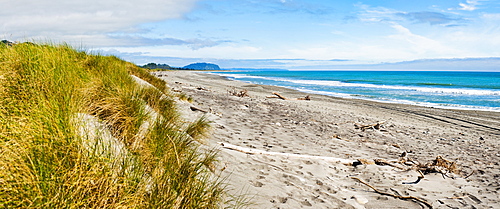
pixel 400 101
pixel 408 88
pixel 240 76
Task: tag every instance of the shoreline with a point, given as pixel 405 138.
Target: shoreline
pixel 325 127
pixel 420 104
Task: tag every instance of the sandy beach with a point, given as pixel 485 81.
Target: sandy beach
pixel 316 153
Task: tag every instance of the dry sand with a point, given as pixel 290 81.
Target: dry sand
pixel 324 127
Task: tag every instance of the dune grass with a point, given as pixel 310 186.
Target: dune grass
pixel 46 161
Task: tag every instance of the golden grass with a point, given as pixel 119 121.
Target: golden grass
pixel 44 160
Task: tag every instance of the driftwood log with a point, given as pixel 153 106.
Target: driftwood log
pixel 193 108
pixel 439 165
pixel 241 93
pixel 393 195
pixel 375 126
pixel 277 95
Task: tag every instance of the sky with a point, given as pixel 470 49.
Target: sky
pixel 287 34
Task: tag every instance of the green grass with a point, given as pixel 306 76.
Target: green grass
pixel 46 161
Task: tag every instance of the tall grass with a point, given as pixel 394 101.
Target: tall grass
pixel 149 159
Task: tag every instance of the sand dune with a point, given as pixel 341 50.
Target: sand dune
pixel 324 127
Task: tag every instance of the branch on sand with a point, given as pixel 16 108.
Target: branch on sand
pixel 241 93
pixel 375 126
pixel 277 95
pixel 439 165
pixel 393 195
pixel 193 108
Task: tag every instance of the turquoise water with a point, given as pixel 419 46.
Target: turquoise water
pixel 454 90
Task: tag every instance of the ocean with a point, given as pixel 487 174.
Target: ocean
pixel 452 90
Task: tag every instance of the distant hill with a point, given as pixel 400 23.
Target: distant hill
pixel 158 66
pixel 202 66
pixel 7 42
pixel 194 66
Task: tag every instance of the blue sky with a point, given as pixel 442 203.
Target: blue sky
pixel 262 33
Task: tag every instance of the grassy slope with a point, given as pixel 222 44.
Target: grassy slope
pixel 43 160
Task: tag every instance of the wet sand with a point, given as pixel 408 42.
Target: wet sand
pixel 311 135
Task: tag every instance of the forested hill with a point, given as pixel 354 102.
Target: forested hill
pixel 202 66
pixel 193 66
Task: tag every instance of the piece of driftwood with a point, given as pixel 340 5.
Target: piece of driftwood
pixel 277 95
pixel 262 152
pixel 440 165
pixel 242 93
pixel 470 174
pixel 305 98
pixel 193 108
pixel 375 126
pixel 418 179
pixel 386 162
pixel 393 195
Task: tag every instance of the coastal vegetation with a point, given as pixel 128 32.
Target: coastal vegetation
pixel 193 66
pixel 80 130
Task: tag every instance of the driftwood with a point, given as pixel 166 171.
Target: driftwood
pixel 242 93
pixel 393 195
pixel 305 98
pixel 193 108
pixel 277 95
pixel 418 178
pixel 439 165
pixel 375 126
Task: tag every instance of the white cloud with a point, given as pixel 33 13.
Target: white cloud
pixel 469 6
pixel 375 14
pixel 83 19
pixel 423 47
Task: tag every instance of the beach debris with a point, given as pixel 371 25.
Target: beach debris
pixel 193 108
pixel 374 126
pixel 238 93
pixel 386 162
pixel 469 174
pixel 277 95
pixel 418 178
pixel 395 195
pixel 439 165
pixel 201 88
pixel 363 162
pixel 337 136
pixel 304 98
